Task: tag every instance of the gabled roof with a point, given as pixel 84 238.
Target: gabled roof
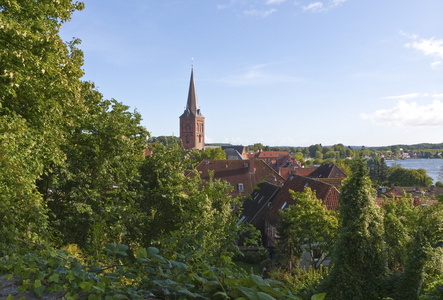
pixel 327 171
pixel 304 171
pixel 232 154
pixel 431 193
pixel 237 172
pixel 324 191
pixel 271 154
pixel 259 199
pixel 192 109
pixel 240 149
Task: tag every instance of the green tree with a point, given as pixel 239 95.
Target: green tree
pixel 400 222
pixel 39 98
pixel 359 262
pixel 408 177
pixel 90 194
pixel 378 170
pixel 176 210
pixel 313 149
pixel 318 155
pixel 425 245
pixel 22 209
pixel 197 156
pixel 40 73
pixel 309 226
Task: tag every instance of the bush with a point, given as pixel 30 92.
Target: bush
pixel 303 283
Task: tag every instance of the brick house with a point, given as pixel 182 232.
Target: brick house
pixel 242 175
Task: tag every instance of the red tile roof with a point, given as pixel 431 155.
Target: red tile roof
pixel 324 191
pixel 327 171
pixel 239 172
pixel 304 171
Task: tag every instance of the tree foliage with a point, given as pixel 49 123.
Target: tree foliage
pixel 308 226
pixel 359 263
pixel 408 177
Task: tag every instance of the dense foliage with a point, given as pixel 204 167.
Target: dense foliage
pixel 307 227
pixel 359 263
pixel 84 213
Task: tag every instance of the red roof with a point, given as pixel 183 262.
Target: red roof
pixel 271 154
pixel 324 191
pixel 239 172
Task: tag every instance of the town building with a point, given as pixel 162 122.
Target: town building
pixel 192 122
pixel 242 175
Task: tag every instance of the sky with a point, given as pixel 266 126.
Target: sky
pixel 276 72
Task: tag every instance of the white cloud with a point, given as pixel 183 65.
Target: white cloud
pixel 405 96
pixel 259 13
pixel 257 75
pixel 321 6
pixel 337 2
pixel 270 2
pixel 431 47
pixel 314 7
pixel 409 114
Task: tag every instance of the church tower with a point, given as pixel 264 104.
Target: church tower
pixel 192 122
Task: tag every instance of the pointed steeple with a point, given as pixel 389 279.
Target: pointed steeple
pixel 192 103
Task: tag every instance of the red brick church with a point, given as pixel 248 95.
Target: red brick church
pixel 192 122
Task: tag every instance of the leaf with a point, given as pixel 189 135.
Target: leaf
pixel 120 296
pixel 86 286
pixel 320 296
pixel 152 251
pixel 248 292
pixel 37 284
pixel 141 253
pixel 264 296
pixel 54 278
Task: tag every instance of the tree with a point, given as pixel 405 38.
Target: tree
pixel 177 212
pixel 90 192
pixel 208 153
pixel 427 240
pixel 408 177
pixel 359 262
pixel 306 226
pixel 400 222
pixel 313 149
pixel 39 98
pixel 378 170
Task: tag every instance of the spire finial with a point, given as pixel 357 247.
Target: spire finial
pixel 192 62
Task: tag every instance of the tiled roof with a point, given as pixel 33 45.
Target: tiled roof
pixel 327 171
pixel 304 171
pixel 271 154
pixel 232 154
pixel 324 191
pixel 431 193
pixel 240 149
pixel 237 172
pixel 258 200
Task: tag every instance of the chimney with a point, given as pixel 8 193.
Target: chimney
pixel 251 164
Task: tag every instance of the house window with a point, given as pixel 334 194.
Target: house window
pixel 240 187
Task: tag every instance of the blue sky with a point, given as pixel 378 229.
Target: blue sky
pixel 276 72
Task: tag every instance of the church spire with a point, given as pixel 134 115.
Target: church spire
pixel 192 104
pixel 192 122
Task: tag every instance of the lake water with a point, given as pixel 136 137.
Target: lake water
pixel 434 167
